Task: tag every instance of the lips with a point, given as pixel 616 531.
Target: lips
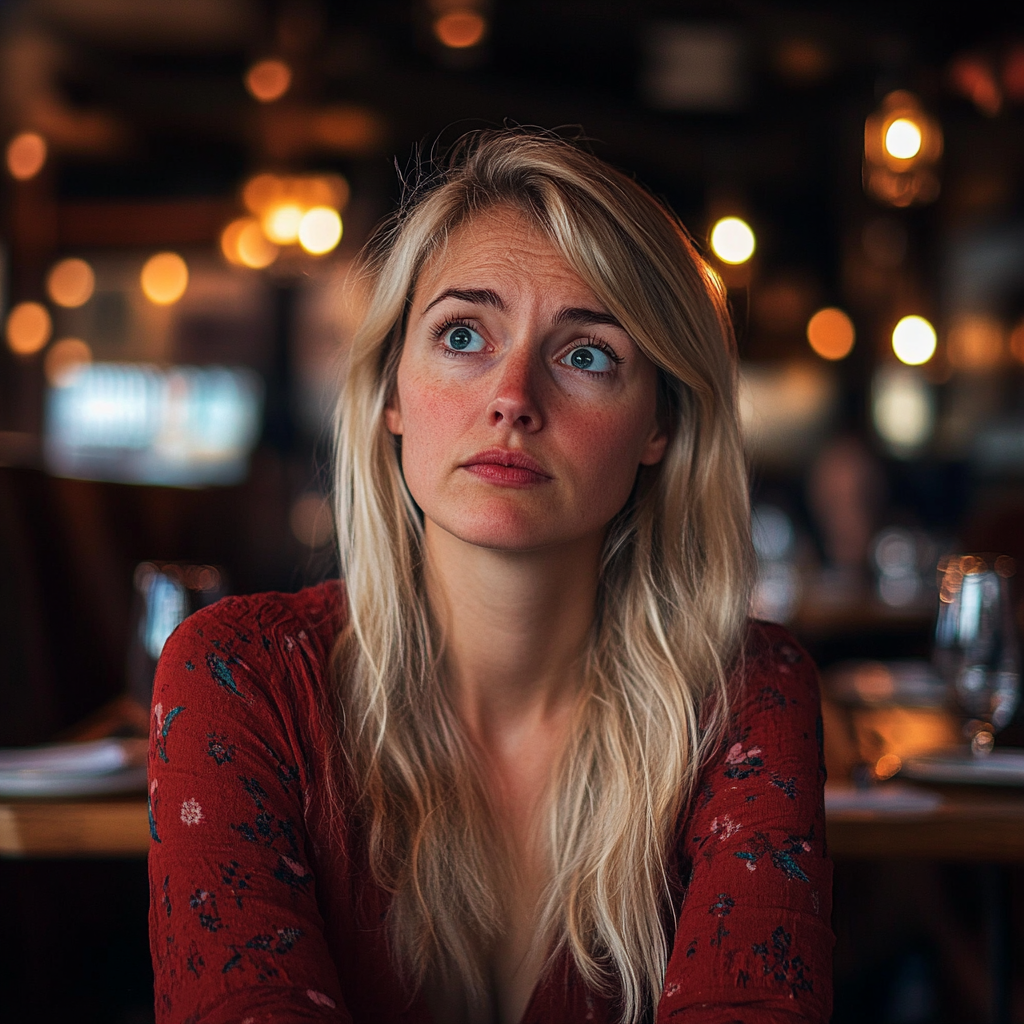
pixel 505 466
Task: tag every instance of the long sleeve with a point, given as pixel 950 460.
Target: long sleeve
pixel 753 942
pixel 235 928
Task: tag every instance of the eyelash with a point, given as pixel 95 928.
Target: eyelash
pixel 601 346
pixel 445 326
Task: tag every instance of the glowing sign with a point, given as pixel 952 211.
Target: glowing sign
pixel 133 423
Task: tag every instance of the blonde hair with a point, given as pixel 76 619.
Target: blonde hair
pixel 672 606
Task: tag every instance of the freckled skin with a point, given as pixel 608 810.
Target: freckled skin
pixel 589 432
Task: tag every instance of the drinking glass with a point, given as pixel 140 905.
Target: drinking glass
pixel 165 594
pixel 977 653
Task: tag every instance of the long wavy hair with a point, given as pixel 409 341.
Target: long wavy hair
pixel 673 597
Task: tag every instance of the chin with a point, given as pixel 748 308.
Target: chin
pixel 501 528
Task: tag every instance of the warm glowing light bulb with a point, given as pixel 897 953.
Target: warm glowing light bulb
pixel 281 223
pixel 268 80
pixel 903 139
pixel 28 328
pixel 260 192
pixel 732 240
pixel 320 230
pixel 63 360
pixel 913 340
pixel 244 244
pixel 164 278
pixel 831 334
pixel 458 30
pixel 26 154
pixel 70 283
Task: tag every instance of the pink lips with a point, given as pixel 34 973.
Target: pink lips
pixel 507 467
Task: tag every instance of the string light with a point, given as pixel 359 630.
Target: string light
pixel 28 328
pixel 914 340
pixel 320 230
pixel 244 244
pixel 831 333
pixel 903 139
pixel 26 155
pixel 63 360
pixel 164 278
pixel 268 80
pixel 732 240
pixel 459 30
pixel 281 223
pixel 70 283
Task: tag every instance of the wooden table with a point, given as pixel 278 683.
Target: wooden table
pixel 970 825
pixel 112 827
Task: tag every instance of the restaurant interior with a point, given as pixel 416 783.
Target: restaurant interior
pixel 185 188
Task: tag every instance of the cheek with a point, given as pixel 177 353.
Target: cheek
pixel 606 449
pixel 432 418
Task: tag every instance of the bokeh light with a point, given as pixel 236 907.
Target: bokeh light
pixel 28 328
pixel 320 230
pixel 903 139
pixel 70 283
pixel 902 408
pixel 244 244
pixel 281 223
pixel 975 343
pixel 311 520
pixel 63 359
pixel 26 155
pixel 913 340
pixel 732 240
pixel 268 80
pixel 459 30
pixel 164 278
pixel 831 333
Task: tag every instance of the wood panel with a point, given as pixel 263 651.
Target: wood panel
pixel 100 828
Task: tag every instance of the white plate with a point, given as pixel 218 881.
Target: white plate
pixel 1000 768
pixel 93 757
pixel 887 798
pixel 28 782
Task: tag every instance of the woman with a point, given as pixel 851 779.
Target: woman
pixel 531 762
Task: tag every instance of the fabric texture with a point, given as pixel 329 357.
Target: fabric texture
pixel 262 911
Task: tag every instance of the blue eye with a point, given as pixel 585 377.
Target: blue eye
pixel 463 339
pixel 588 357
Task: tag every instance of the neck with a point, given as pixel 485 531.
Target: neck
pixel 515 624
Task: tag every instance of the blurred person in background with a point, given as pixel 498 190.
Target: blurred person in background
pixel 530 761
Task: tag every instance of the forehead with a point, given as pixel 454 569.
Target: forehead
pixel 502 248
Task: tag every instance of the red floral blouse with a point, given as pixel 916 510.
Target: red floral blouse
pixel 259 912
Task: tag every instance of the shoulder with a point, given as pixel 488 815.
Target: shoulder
pixel 314 615
pixel 255 646
pixel 773 667
pixel 775 708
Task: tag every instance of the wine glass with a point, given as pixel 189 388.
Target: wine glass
pixel 976 648
pixel 165 594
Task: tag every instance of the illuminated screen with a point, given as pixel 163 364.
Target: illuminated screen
pixel 184 426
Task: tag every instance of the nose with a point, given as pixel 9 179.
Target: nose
pixel 515 400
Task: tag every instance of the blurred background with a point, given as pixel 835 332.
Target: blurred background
pixel 183 190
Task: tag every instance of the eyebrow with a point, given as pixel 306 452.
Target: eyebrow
pixel 478 296
pixel 579 316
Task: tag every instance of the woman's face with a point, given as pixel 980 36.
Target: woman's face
pixel 524 408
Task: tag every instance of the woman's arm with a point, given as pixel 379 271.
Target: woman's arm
pixel 235 930
pixel 753 941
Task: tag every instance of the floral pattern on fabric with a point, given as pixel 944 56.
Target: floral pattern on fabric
pixel 262 910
